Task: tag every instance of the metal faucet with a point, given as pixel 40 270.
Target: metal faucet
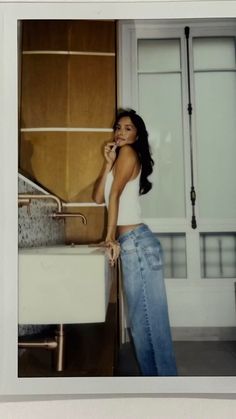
pixel 25 199
pixel 69 214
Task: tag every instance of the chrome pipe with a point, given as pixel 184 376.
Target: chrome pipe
pixel 25 196
pixel 60 353
pixel 57 345
pixel 46 344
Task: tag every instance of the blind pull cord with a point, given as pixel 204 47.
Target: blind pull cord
pixel 190 109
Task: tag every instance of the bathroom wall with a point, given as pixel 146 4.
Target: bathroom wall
pixel 37 229
pixel 67 108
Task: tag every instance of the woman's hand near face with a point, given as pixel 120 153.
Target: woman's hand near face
pixel 110 152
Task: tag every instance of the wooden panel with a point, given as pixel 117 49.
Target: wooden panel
pixel 93 232
pixel 84 162
pixel 90 35
pixel 92 91
pixel 74 91
pixel 44 91
pixel 74 35
pixel 45 35
pixel 43 157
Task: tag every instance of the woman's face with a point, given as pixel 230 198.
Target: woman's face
pixel 125 132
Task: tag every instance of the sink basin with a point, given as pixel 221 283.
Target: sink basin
pixel 63 284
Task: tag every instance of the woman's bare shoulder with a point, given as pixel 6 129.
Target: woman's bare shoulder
pixel 127 159
pixel 128 152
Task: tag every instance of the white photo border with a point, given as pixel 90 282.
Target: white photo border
pixel 10 383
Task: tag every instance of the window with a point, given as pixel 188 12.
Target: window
pixel 159 72
pixel 218 255
pixel 174 247
pixel 156 77
pixel 215 98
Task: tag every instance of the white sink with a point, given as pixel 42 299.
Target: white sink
pixel 63 284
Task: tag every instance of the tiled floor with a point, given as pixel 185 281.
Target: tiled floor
pixel 205 358
pixel 212 358
pixel 195 358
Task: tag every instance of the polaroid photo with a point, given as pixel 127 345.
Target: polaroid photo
pixel 66 68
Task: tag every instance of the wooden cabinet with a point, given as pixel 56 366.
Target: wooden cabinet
pixel 68 102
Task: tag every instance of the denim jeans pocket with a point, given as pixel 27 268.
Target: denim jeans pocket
pixel 153 258
pixel 128 247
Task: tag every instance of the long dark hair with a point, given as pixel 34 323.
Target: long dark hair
pixel 141 146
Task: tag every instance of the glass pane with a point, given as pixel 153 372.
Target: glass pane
pixel 174 252
pixel 214 53
pixel 161 107
pixel 216 143
pixel 218 255
pixel 158 55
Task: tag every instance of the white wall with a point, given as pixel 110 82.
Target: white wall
pixel 195 302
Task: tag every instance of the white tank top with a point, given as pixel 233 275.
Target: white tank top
pixel 129 204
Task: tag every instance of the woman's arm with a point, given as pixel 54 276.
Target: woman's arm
pixel 124 168
pixel 110 156
pixel 98 191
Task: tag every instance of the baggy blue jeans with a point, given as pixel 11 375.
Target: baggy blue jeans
pixel 142 268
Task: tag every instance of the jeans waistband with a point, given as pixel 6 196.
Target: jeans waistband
pixel 133 233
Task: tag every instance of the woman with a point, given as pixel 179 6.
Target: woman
pixel 123 178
